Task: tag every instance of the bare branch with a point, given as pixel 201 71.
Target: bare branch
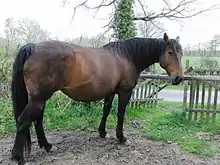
pixel 78 6
pixel 152 28
pixel 103 4
pixel 180 11
pixel 142 7
pixel 84 4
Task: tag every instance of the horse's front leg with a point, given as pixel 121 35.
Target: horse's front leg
pixel 124 98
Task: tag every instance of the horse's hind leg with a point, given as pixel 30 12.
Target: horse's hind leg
pixel 106 110
pixel 124 98
pixel 31 112
pixel 42 140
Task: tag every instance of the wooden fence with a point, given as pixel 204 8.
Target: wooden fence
pixel 203 99
pixel 201 95
pixel 145 94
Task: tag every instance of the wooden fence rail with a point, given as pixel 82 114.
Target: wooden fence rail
pixel 201 95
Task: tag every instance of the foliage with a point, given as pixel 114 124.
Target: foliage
pixel 2 52
pixel 208 63
pixel 5 69
pixel 22 31
pixel 206 50
pixel 60 113
pixel 123 24
pixel 194 61
pixel 94 41
pixel 5 77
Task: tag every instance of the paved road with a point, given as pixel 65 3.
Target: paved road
pixel 177 95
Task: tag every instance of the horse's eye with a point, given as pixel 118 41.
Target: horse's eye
pixel 170 53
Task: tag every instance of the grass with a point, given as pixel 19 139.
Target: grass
pixel 161 124
pixel 194 61
pixel 169 126
pixel 175 87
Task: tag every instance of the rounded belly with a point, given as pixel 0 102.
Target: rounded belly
pixel 89 92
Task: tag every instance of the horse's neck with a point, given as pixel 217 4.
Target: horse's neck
pixel 151 54
pixel 150 60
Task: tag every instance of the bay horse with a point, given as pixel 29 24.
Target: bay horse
pixel 83 74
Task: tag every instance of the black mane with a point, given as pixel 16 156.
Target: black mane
pixel 142 52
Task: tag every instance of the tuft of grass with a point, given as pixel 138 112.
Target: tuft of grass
pixel 7 123
pixel 176 87
pixel 170 126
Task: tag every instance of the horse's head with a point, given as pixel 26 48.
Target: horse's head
pixel 170 60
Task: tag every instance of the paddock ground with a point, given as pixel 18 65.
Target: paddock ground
pixel 86 148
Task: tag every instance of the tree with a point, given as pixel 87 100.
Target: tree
pixel 94 41
pixel 31 31
pixel 187 50
pixel 151 29
pixel 23 31
pixel 213 45
pixel 123 25
pixel 179 10
pixel 10 32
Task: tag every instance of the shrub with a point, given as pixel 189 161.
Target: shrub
pixel 2 52
pixel 5 77
pixel 208 63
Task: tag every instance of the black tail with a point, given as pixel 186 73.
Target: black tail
pixel 18 89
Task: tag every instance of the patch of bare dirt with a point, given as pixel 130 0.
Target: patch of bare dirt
pixel 86 148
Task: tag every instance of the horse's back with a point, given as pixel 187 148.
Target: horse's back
pixel 80 72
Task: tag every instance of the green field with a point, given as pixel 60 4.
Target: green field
pixel 194 61
pixel 164 123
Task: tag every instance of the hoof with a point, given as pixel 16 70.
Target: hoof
pixel 22 162
pixel 122 140
pixel 19 159
pixel 102 134
pixel 48 147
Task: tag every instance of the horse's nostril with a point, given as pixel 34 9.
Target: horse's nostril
pixel 178 79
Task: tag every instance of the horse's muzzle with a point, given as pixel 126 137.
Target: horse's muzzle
pixel 176 80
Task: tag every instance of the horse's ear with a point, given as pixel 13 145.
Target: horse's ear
pixel 165 37
pixel 178 39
